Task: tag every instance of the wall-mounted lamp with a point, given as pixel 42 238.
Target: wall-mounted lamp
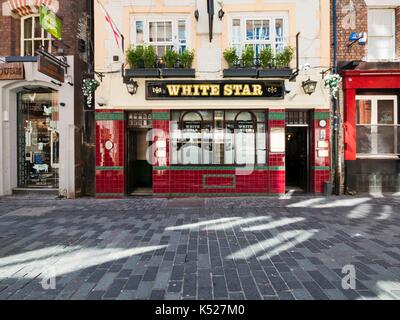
pixel 197 15
pixel 221 14
pixel 221 11
pixel 132 86
pixel 309 86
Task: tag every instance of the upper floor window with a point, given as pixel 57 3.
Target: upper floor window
pixel 382 35
pixel 260 31
pixel 162 34
pixel 33 36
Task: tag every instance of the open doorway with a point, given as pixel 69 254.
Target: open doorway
pixel 297 152
pixel 139 179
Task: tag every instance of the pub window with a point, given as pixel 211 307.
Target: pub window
pixel 260 32
pixel 162 34
pixel 377 125
pixel 218 137
pixel 33 36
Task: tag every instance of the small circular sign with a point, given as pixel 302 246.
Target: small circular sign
pixel 322 123
pixel 109 145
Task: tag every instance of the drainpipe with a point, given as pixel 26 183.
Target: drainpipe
pixel 335 158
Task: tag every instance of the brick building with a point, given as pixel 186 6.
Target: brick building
pixel 42 120
pixel 368 53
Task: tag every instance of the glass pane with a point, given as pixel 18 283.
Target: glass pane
pixel 161 32
pixel 152 31
pixel 279 35
pixel 385 112
pixel 168 31
pixel 192 116
pixel 249 30
pixel 261 144
pixel 38 137
pixel 279 30
pixel 139 32
pixel 181 30
pixel 28 48
pixel 38 29
pixel 258 30
pixel 28 28
pixel 37 45
pixel 386 139
pixel 266 30
pixel 364 109
pixel 364 139
pixel 245 116
pixel 236 31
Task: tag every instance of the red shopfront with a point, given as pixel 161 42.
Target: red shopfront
pixel 280 145
pixel 371 130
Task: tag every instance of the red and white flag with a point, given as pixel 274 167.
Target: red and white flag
pixel 114 28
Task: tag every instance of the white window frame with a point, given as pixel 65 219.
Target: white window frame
pixel 374 124
pixel 33 39
pixel 164 18
pixel 271 16
pixel 393 42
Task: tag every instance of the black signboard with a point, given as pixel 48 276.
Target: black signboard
pixel 178 90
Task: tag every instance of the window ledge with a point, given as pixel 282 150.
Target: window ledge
pixel 21 59
pixel 379 156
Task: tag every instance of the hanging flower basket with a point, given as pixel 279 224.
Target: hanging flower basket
pixel 332 82
pixel 89 86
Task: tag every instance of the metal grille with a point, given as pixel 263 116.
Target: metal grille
pixel 297 118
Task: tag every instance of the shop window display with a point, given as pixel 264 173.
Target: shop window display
pixel 38 139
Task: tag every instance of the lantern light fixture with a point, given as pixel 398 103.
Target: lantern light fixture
pixel 309 86
pixel 132 86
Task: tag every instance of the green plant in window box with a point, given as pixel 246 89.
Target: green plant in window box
pixel 266 57
pixel 283 59
pixel 149 57
pixel 248 57
pixel 231 57
pixel 134 57
pixel 186 58
pixel 170 57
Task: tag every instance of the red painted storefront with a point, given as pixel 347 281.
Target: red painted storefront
pixel 354 81
pixel 180 181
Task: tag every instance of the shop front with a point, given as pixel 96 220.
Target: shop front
pixel 37 131
pixel 253 148
pixel 372 133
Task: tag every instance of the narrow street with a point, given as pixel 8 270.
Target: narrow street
pixel 214 248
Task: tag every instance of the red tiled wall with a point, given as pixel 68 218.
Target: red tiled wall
pixel 277 178
pixel 110 174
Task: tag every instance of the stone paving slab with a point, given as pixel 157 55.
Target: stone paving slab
pixel 215 248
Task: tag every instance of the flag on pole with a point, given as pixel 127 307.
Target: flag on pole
pixel 116 32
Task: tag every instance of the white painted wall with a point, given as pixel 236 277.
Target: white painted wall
pixel 310 18
pixel 8 129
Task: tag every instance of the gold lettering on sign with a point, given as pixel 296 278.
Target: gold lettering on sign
pixel 215 90
pixel 228 90
pixel 173 89
pixel 11 71
pixel 257 90
pixel 186 90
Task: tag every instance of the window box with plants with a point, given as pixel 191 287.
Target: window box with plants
pixel 142 61
pixel 275 66
pixel 240 68
pixel 178 65
pixel 267 65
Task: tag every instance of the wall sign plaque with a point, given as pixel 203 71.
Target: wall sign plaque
pixel 51 69
pixel 12 71
pixel 177 90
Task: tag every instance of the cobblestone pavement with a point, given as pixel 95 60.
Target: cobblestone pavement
pixel 221 248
